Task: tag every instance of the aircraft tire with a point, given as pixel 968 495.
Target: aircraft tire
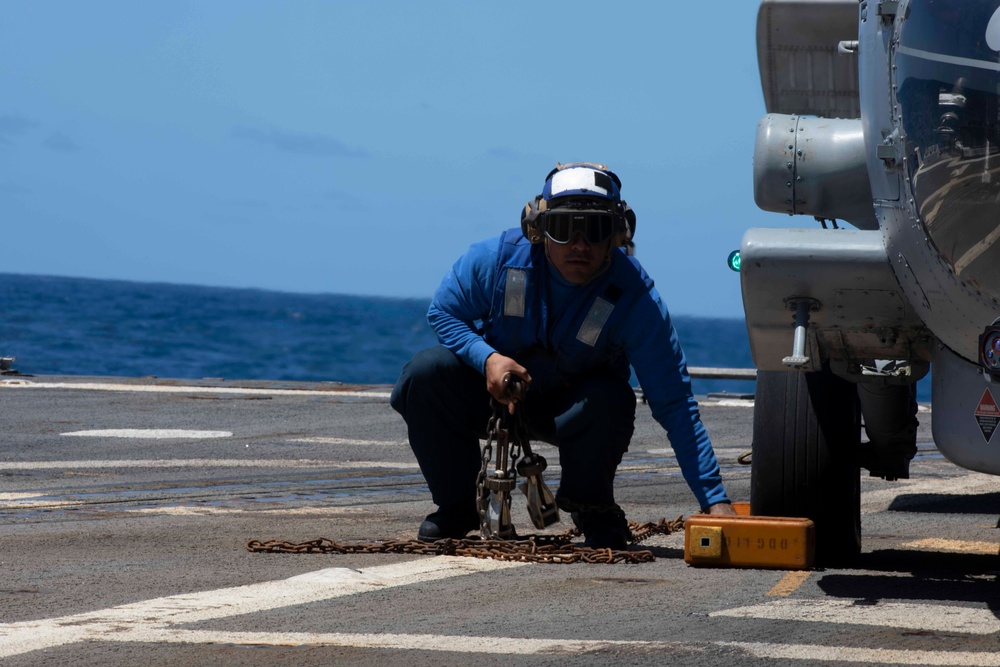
pixel 806 442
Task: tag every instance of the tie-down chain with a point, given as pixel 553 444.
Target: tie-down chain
pixel 513 457
pixel 498 538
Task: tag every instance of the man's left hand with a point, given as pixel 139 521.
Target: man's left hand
pixel 721 509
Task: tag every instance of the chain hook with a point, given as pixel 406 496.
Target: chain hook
pixel 541 503
pixel 494 489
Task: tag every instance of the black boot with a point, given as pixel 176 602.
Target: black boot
pixel 603 529
pixel 453 521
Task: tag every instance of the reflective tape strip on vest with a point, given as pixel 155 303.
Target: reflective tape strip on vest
pixel 591 328
pixel 514 293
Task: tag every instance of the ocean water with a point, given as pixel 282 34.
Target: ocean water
pixel 77 326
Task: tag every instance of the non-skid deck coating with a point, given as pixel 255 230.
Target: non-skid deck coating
pixel 125 506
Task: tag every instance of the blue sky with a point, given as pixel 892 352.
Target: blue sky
pixel 360 147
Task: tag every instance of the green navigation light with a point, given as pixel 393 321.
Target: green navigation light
pixel 734 260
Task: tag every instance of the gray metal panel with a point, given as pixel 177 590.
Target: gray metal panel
pixel 813 166
pixel 801 71
pixel 861 310
pixel 875 42
pixel 957 387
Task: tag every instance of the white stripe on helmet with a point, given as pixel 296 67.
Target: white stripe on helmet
pixel 577 179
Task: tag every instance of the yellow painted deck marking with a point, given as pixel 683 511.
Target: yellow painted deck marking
pixel 954 546
pixel 789 583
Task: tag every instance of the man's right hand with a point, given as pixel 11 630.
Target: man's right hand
pixel 498 367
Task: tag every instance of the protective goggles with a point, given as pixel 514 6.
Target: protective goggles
pixel 562 225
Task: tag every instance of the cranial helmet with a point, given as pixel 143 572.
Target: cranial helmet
pixel 581 197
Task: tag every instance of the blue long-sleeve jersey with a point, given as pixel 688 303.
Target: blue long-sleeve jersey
pixel 641 335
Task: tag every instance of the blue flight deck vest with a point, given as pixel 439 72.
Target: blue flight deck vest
pixel 579 337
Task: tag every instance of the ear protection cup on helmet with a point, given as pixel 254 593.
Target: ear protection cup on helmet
pixel 629 216
pixel 530 219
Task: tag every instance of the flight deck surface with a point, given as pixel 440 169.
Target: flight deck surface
pixel 126 506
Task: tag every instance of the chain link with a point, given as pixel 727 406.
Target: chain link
pixel 509 432
pixel 529 549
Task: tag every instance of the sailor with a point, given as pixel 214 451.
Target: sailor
pixel 562 304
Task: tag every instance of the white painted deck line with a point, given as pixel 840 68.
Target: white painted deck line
pixel 115 623
pixel 150 433
pixel 905 615
pixel 868 656
pixel 726 402
pixel 954 546
pixel 28 501
pixel 564 647
pixel 205 463
pixel 188 510
pixel 158 621
pixel 500 646
pixel 922 408
pixel 189 389
pixel 881 497
pixel 345 441
pixel 173 389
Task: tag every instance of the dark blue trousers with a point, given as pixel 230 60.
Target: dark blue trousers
pixel 447 409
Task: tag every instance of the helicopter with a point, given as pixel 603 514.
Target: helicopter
pixel 884 115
